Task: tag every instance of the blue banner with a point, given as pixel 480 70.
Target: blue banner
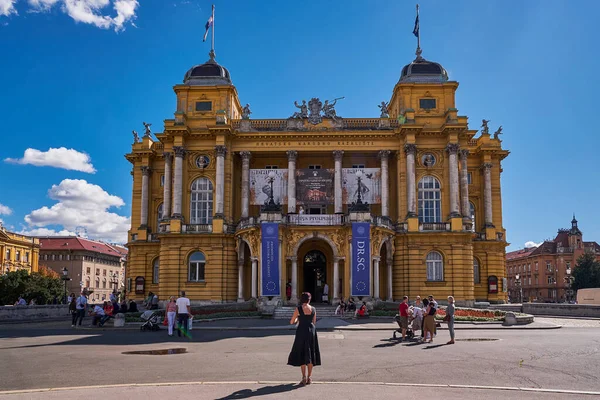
pixel 361 259
pixel 270 259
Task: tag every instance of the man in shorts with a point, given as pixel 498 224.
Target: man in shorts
pixel 404 316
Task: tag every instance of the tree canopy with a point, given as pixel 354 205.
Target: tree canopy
pixel 41 286
pixel 586 273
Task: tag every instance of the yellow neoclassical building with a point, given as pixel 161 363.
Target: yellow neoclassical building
pixel 228 208
pixel 18 252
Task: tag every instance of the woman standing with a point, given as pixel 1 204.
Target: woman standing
pixel 429 323
pixel 450 318
pixel 171 310
pixel 305 351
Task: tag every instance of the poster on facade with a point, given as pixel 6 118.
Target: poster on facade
pixel 370 185
pixel 260 186
pixel 314 186
pixel 270 259
pixel 360 276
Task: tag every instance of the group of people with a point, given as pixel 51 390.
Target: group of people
pixel 100 313
pixel 422 317
pixel 181 310
pixel 351 307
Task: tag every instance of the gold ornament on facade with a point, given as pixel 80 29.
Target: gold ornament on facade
pixel 338 238
pixel 201 160
pixel 292 238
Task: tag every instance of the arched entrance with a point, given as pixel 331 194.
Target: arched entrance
pixel 314 265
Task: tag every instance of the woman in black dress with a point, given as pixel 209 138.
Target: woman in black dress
pixel 305 351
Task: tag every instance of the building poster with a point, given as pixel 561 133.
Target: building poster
pixel 270 259
pixel 314 186
pixel 360 277
pixel 260 187
pixel 370 184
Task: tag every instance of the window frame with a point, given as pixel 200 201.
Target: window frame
pixel 156 271
pixel 434 266
pixel 476 271
pixel 429 199
pixel 201 209
pixel 203 102
pixel 198 265
pixel 469 178
pixel 271 166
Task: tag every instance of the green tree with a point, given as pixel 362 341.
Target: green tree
pixel 586 273
pixel 12 285
pixel 41 287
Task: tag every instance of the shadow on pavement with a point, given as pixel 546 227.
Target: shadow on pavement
pixel 247 393
pixel 433 346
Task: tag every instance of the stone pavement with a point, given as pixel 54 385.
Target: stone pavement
pixel 292 391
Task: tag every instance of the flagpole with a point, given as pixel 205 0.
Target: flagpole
pixel 212 46
pixel 419 31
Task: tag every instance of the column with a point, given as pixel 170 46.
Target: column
pixel 291 189
pixel 385 190
pixel 337 181
pixel 144 205
pixel 240 279
pixel 376 278
pixel 336 278
pixel 167 186
pixel 220 189
pixel 487 194
pixel 410 150
pixel 390 295
pixel 177 184
pixel 245 182
pixel 294 279
pixel 452 149
pixel 464 187
pixel 254 277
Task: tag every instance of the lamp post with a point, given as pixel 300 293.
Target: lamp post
pixel 568 277
pixel 271 206
pixel 359 205
pixel 114 279
pixel 519 287
pixel 65 278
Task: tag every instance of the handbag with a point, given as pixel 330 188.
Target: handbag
pixel 190 322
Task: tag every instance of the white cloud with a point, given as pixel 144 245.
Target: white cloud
pixel 5 210
pixel 82 204
pixel 41 5
pixel 46 232
pixel 7 7
pixel 62 157
pixel 125 12
pixel 531 244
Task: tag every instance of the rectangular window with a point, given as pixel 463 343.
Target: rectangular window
pixel 60 257
pixel 548 266
pixel 98 271
pixel 7 254
pixel 88 270
pixel 271 167
pixel 536 266
pixel 528 267
pixel 53 257
pixel 469 178
pixel 427 104
pixel 162 180
pixel 203 105
pixel 18 255
pixel 529 280
pixel 314 167
pixel 358 166
pixel 27 257
pixel 550 280
pixel 103 272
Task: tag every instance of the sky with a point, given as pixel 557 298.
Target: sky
pixel 77 76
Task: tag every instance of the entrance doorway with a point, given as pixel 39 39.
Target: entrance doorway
pixel 315 274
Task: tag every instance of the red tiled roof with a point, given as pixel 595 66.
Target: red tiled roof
pixel 513 255
pixel 55 243
pixel 562 238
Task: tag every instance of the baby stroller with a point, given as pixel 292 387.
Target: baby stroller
pixel 409 332
pixel 151 319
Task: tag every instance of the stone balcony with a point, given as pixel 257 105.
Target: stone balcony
pixel 434 227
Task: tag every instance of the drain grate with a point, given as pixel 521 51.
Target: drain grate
pixel 477 340
pixel 163 352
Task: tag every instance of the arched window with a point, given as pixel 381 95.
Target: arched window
pixel 435 266
pixel 196 266
pixel 430 200
pixel 201 202
pixel 160 215
pixel 472 215
pixel 476 276
pixel 155 270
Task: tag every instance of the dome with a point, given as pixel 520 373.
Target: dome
pixel 423 71
pixel 207 74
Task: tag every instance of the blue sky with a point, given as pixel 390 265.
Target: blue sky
pixel 83 77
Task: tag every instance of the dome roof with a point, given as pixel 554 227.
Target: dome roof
pixel 423 71
pixel 207 74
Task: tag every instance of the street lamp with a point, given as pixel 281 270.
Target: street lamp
pixel 569 293
pixel 65 278
pixel 359 205
pixel 520 288
pixel 271 205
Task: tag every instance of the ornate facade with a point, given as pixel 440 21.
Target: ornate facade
pixel 18 252
pixel 428 188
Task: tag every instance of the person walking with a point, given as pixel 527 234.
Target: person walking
pixel 449 318
pixel 80 306
pixel 403 317
pixel 171 311
pixel 73 310
pixel 184 310
pixel 305 351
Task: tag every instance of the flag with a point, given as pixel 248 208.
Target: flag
pixel 209 23
pixel 416 30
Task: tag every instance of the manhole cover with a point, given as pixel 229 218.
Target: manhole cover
pixel 476 340
pixel 162 352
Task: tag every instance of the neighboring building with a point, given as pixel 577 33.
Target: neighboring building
pixel 18 252
pixel 542 270
pixel 203 189
pixel 92 265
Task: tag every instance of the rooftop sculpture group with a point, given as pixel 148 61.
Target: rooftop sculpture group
pixel 312 111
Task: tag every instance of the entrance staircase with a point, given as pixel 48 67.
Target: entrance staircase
pixel 323 311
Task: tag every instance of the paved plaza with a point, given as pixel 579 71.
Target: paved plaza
pixel 243 363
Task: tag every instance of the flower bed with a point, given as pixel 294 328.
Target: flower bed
pixel 460 314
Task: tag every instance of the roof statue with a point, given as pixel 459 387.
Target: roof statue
pixel 484 127
pixel 136 137
pixel 384 110
pixel 312 111
pixel 246 112
pixel 303 110
pixel 498 132
pixel 329 111
pixel 147 131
